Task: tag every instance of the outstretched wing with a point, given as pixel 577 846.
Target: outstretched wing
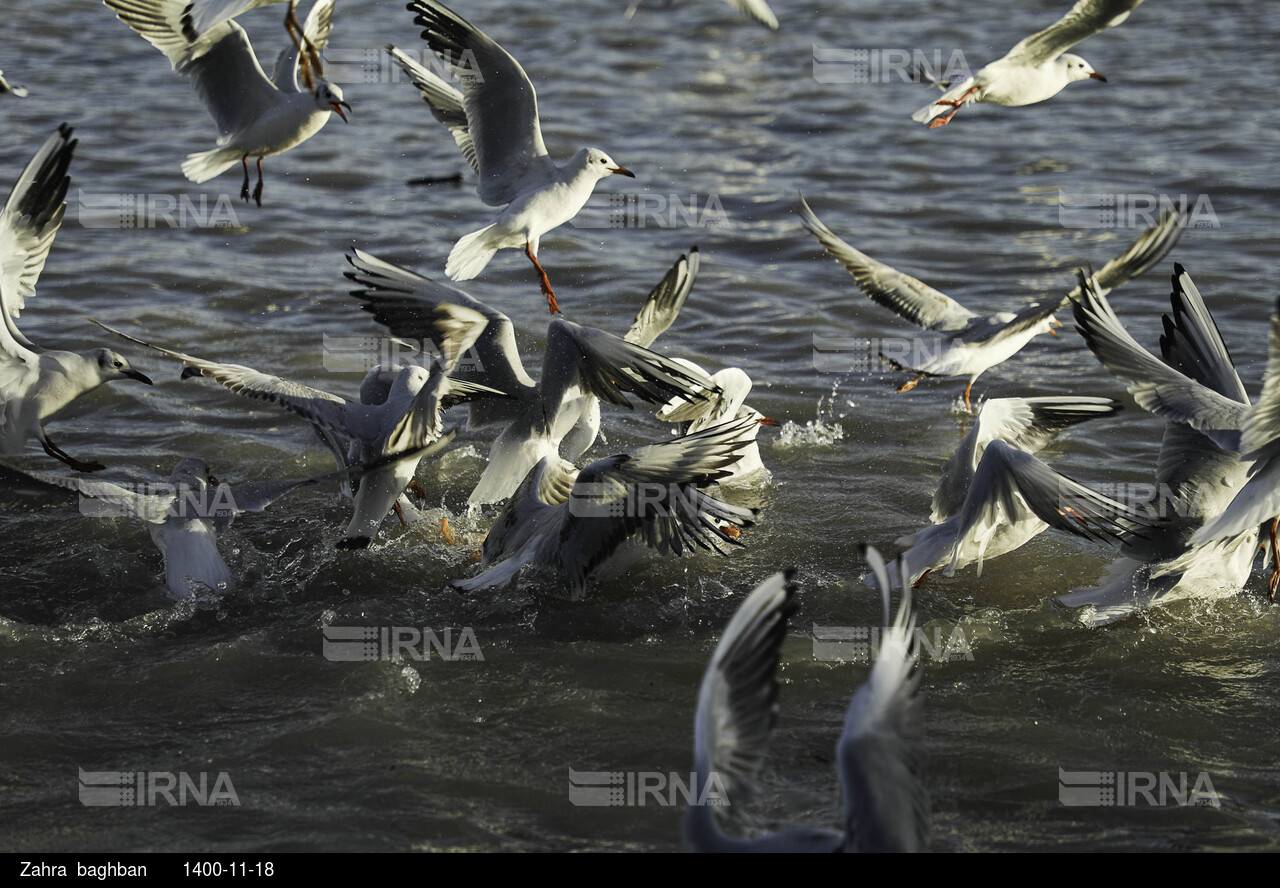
pixel 28 224
pixel 737 703
pixel 1085 19
pixel 498 99
pixel 221 64
pixel 886 807
pixel 902 294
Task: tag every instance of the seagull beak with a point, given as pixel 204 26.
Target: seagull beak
pixel 1096 76
pixel 337 109
pixel 134 374
pixel 622 171
pixel 765 420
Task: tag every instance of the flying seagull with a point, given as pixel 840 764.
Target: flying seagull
pixel 256 116
pixel 35 383
pixel 1037 68
pixel 494 120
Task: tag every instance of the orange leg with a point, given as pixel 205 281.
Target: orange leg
pixel 543 280
pixel 447 533
pixel 908 386
pixel 967 389
pixel 395 507
pixel 955 105
pixel 244 189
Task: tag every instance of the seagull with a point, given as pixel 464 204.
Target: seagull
pixel 184 517
pixel 1161 560
pixel 255 116
pixel 581 366
pixel 885 806
pixel 1028 424
pixel 1206 472
pixel 494 120
pixel 968 344
pixel 408 418
pixel 585 523
pixel 694 416
pixel 7 87
pixel 757 10
pixel 1037 68
pixel 35 383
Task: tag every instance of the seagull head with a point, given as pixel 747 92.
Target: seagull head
pixel 1078 68
pixel 193 472
pixel 112 365
pixel 602 164
pixel 329 97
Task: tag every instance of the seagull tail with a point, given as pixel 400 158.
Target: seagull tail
pixel 206 164
pixel 471 254
pixel 930 111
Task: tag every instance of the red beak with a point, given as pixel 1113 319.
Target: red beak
pixel 1096 76
pixel 337 109
pixel 622 171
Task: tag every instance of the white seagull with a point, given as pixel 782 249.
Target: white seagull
pixel 7 87
pixel 884 803
pixel 588 523
pixel 694 416
pixel 581 366
pixel 494 120
pixel 1161 560
pixel 35 383
pixel 1207 478
pixel 1037 68
pixel 406 419
pixel 256 116
pixel 757 10
pixel 184 517
pixel 959 536
pixel 966 343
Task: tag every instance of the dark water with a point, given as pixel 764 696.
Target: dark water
pixel 100 672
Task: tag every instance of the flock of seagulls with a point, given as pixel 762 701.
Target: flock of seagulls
pixel 579 518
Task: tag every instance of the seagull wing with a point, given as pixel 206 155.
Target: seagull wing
pixel 500 104
pixel 902 294
pixel 665 301
pixel 221 64
pixel 28 224
pixel 318 28
pixel 417 307
pixel 150 501
pixel 737 703
pixel 319 407
pixel 756 9
pixel 886 807
pixel 444 100
pixel 1085 19
pixel 1157 387
pixel 1025 423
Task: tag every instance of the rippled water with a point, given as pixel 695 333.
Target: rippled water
pixel 101 672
